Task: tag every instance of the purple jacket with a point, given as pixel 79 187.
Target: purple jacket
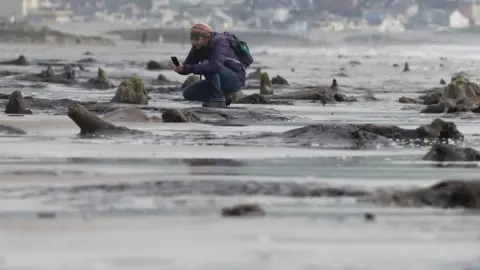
pixel 217 53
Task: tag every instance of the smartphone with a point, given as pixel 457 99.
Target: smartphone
pixel 175 61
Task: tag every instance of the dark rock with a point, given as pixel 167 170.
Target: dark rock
pixel 406 67
pixel 432 96
pixel 452 194
pixel 179 116
pixel 46 215
pixel 369 217
pixel 279 80
pixel 354 63
pixel 154 65
pixel 334 84
pixel 331 135
pixel 16 105
pixel 259 99
pixel 162 80
pixel 437 130
pixel 88 60
pixel 242 210
pixel 341 74
pixel 443 82
pixel 20 61
pixel 5 73
pixel 357 136
pixel 445 152
pixel 445 194
pixel 407 100
pixel 214 115
pixel 201 162
pixel 343 98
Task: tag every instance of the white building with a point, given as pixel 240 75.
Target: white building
pixel 390 24
pixel 458 20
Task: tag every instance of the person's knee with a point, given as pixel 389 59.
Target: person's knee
pixel 188 94
pixel 214 80
pixel 211 77
pixel 195 91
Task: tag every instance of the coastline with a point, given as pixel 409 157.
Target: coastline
pixel 132 33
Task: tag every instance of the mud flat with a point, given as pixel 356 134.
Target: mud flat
pixel 103 165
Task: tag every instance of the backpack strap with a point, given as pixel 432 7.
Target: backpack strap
pixel 236 61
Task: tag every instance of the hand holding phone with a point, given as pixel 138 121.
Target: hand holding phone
pixel 175 61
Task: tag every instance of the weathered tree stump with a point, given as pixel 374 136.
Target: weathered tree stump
pixel 88 122
pixel 16 105
pixel 266 87
pixel 131 91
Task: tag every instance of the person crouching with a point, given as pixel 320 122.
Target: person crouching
pixel 212 57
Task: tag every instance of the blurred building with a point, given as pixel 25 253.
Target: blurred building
pixel 17 8
pixel 32 4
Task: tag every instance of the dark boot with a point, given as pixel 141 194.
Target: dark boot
pixel 214 104
pixel 228 100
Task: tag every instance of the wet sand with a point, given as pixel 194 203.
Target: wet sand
pixel 138 229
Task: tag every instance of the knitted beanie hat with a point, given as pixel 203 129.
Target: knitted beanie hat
pixel 201 29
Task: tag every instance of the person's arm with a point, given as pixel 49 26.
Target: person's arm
pixel 190 60
pixel 219 49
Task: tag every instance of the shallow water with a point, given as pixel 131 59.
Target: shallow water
pixel 141 229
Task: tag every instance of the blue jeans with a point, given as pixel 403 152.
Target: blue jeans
pixel 214 88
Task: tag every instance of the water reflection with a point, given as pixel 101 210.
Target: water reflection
pixel 202 166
